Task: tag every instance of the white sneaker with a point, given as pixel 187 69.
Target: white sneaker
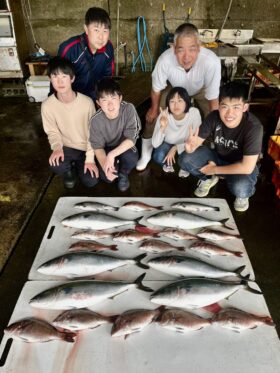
pixel 168 169
pixel 204 186
pixel 241 204
pixel 183 173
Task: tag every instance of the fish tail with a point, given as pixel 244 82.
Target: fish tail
pixel 139 284
pixel 224 221
pixel 254 291
pixel 114 247
pixel 112 318
pixel 138 261
pixel 137 221
pixel 268 321
pixel 239 270
pixel 68 336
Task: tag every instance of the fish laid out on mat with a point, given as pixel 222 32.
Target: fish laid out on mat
pixel 132 236
pixel 214 235
pixel 83 293
pixel 91 246
pixel 90 234
pixel 95 220
pixel 81 319
pixel 158 246
pixel 195 293
pixel 237 320
pixel 94 206
pixel 85 264
pixel 182 220
pixel 183 266
pixel 193 207
pixel 35 330
pixel 140 206
pixel 177 234
pixel 210 249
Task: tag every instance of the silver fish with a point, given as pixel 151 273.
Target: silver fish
pixel 210 249
pixel 181 321
pixel 82 319
pixel 214 235
pixel 82 293
pixel 35 330
pixel 140 206
pixel 158 246
pixel 133 321
pixel 132 236
pixel 237 320
pixel 94 206
pixel 195 293
pixel 89 235
pixel 182 220
pixel 193 206
pixel 84 264
pixel 177 234
pixel 91 246
pixel 95 220
pixel 188 267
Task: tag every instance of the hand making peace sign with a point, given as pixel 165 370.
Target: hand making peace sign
pixel 163 119
pixel 192 141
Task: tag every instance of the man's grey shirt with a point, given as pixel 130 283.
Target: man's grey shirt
pixel 106 132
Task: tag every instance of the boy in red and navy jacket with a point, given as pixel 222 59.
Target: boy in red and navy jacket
pixel 91 53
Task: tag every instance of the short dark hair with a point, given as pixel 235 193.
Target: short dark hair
pixel 182 92
pixel 58 64
pixel 186 29
pixel 107 86
pixel 97 15
pixel 234 90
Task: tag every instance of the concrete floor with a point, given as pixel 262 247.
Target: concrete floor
pixel 259 226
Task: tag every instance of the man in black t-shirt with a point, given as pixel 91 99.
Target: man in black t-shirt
pixel 237 136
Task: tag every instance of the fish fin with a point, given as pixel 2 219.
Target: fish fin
pixel 114 247
pixel 216 208
pixel 139 284
pixel 138 261
pixel 156 234
pixel 68 337
pixel 268 321
pixel 224 221
pixel 240 269
pixel 254 291
pixel 160 207
pixel 112 318
pixel 180 248
pixel 213 308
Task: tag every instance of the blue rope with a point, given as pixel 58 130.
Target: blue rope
pixel 141 45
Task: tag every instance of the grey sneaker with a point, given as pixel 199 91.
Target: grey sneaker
pixel 183 173
pixel 168 169
pixel 241 204
pixel 205 185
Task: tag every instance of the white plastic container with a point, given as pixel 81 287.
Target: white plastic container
pixel 38 88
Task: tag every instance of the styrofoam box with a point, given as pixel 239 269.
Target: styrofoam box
pixel 38 88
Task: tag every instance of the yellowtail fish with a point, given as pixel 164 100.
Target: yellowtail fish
pixel 35 330
pixel 83 293
pixel 94 206
pixel 140 206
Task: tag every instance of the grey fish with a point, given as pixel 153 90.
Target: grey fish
pixel 132 236
pixel 94 206
pixel 237 320
pixel 82 293
pixel 91 246
pixel 195 293
pixel 177 234
pixel 181 321
pixel 35 330
pixel 158 246
pixel 188 267
pixel 81 319
pixel 95 220
pixel 214 235
pixel 210 249
pixel 90 234
pixel 140 206
pixel 133 321
pixel 84 264
pixel 193 206
pixel 182 220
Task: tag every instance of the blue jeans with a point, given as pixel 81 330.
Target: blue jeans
pixel 161 151
pixel 75 158
pixel 242 186
pixel 124 163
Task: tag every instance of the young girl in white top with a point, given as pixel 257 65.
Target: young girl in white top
pixel 172 129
